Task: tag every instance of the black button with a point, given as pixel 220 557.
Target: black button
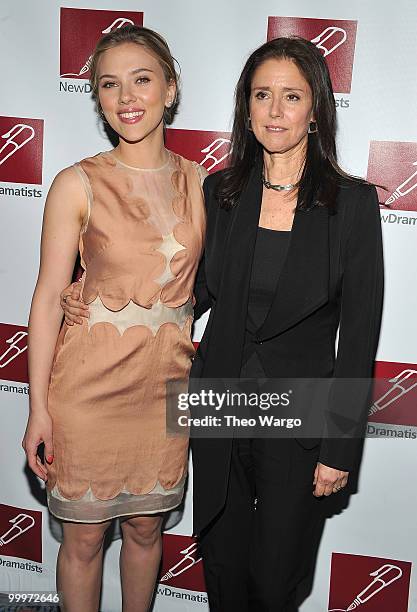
pixel 259 342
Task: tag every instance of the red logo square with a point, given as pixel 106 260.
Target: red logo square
pixel 21 150
pixel 20 533
pixel 394 394
pixel 80 31
pixel 394 166
pixel 335 38
pixel 371 583
pixel 209 149
pixel 13 355
pixel 181 563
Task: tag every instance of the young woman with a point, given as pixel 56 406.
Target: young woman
pixel 137 217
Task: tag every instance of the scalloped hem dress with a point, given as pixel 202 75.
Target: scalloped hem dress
pixel 140 248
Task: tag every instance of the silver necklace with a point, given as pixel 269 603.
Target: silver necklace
pixel 269 185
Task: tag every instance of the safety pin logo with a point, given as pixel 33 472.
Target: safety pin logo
pixel 380 581
pixel 20 524
pixel 17 346
pixel 329 34
pixel 402 384
pixel 214 146
pixel 82 71
pixel 117 23
pixel 121 21
pixel 404 189
pixel 188 561
pixel 13 143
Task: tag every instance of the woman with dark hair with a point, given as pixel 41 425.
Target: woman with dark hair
pixel 293 253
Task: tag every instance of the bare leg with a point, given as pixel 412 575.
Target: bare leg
pixel 79 567
pixel 140 557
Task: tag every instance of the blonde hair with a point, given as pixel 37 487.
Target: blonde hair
pixel 147 38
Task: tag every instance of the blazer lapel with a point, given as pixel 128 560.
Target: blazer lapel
pixel 303 285
pixel 224 350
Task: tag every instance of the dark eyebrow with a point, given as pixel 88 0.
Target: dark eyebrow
pixel 135 71
pixel 285 88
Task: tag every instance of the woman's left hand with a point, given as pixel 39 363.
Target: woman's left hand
pixel 328 480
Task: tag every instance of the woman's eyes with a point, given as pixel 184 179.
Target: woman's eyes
pixel 140 80
pixel 261 95
pixel 264 95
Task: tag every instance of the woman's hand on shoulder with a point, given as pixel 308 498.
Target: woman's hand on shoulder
pixel 328 480
pixel 72 304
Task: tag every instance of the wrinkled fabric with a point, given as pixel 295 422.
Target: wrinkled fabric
pixel 140 250
pixel 125 260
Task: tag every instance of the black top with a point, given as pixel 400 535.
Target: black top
pixel 268 260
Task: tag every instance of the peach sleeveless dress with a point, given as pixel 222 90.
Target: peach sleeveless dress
pixel 140 248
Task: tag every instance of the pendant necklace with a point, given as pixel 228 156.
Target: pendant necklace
pixel 269 185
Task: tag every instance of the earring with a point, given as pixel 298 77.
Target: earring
pixel 312 128
pixel 172 102
pixel 249 125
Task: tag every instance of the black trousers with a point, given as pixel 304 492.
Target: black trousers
pixel 262 545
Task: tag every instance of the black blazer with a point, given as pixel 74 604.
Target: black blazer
pixel 333 275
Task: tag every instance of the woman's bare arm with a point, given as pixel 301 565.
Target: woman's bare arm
pixel 65 210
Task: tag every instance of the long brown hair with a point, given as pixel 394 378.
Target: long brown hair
pixel 147 38
pixel 321 175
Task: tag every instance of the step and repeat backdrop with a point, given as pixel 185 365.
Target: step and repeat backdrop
pixel 368 554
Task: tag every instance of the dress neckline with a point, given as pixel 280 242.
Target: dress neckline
pixel 118 161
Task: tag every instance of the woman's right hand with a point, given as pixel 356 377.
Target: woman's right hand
pixel 38 430
pixel 74 309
